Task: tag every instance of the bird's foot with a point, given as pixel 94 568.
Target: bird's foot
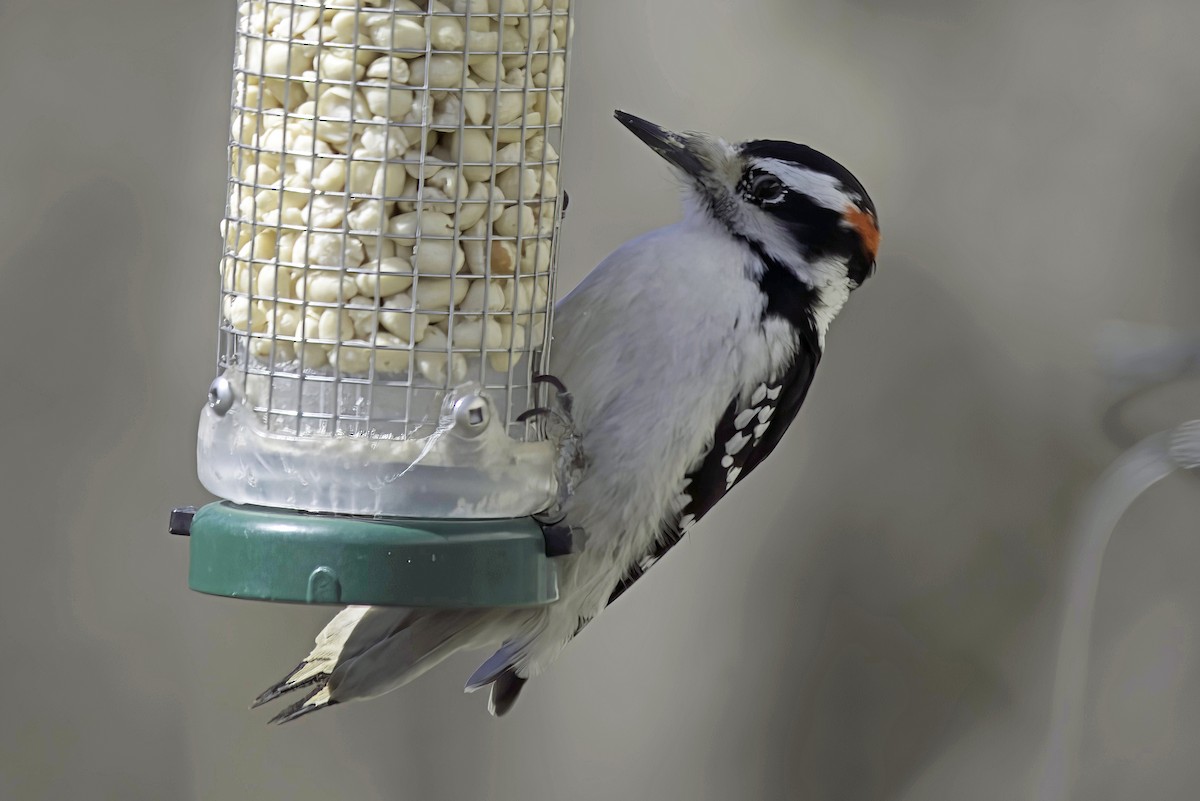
pixel 559 426
pixel 557 410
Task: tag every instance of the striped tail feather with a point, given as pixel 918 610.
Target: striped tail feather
pixel 499 672
pixel 505 690
pixel 317 699
pixel 352 632
pixel 368 651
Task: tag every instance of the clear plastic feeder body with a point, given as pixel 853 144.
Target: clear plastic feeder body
pixel 388 273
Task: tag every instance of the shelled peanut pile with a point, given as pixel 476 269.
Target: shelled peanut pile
pixel 394 192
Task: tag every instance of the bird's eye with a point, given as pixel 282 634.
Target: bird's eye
pixel 766 188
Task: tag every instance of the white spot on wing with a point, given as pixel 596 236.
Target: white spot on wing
pixel 743 419
pixel 759 395
pixel 766 413
pixel 761 429
pixel 727 461
pixel 681 502
pixel 773 392
pixel 736 443
pixel 734 472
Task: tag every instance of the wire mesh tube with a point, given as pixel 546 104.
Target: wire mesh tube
pixel 390 243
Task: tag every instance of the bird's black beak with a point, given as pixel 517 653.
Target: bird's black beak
pixel 673 147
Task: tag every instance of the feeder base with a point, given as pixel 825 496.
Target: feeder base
pixel 270 554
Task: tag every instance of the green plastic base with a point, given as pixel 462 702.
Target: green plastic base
pixel 277 555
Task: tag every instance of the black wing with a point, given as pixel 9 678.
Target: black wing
pixel 745 435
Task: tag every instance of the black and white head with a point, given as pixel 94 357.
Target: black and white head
pixel 794 206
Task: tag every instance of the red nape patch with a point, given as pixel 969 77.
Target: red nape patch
pixel 864 224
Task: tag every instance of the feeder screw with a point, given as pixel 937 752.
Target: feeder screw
pixel 220 395
pixel 471 415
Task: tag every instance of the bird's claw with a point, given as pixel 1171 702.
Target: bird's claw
pixel 564 435
pixel 563 396
pixel 559 408
pixel 545 411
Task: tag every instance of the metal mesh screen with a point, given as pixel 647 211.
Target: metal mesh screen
pixel 393 208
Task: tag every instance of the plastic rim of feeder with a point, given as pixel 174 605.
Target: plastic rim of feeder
pixel 278 555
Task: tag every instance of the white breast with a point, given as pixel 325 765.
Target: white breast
pixel 653 344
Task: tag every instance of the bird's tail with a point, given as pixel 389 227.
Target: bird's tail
pixel 367 651
pixel 500 672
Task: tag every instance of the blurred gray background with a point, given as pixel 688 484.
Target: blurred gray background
pixel 872 617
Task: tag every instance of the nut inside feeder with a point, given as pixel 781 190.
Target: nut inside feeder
pixel 386 296
pixel 389 252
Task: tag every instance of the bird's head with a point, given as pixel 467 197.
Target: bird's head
pixel 795 205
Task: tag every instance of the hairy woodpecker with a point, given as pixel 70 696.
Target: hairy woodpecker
pixel 688 353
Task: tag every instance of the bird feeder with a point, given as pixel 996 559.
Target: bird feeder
pixel 386 293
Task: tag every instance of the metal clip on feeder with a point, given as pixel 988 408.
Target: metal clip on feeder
pixel 386 291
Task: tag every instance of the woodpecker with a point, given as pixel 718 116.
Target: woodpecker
pixel 687 352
